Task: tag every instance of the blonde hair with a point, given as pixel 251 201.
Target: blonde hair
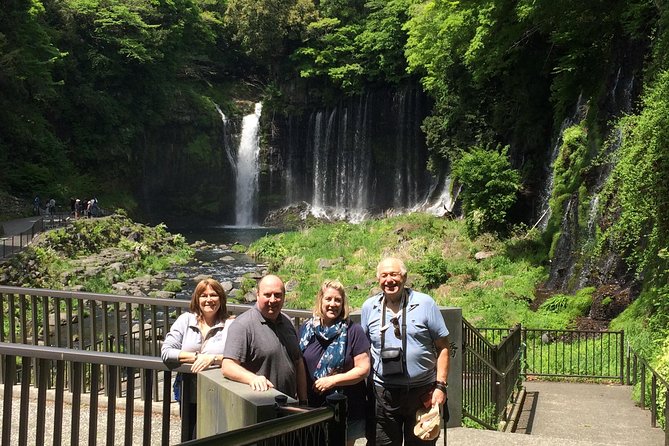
pixel 335 285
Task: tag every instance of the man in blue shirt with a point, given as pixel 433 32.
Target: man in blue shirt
pixel 410 357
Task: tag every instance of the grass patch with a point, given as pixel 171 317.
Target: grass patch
pixel 438 253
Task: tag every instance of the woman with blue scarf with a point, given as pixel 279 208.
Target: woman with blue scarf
pixel 336 356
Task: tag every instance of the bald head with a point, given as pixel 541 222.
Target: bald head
pixel 391 274
pixel 271 293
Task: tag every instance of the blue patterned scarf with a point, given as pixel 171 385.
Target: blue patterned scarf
pixel 332 360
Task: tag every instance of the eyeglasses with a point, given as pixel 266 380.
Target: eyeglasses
pixel 209 296
pixel 396 324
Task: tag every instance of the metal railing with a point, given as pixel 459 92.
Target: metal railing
pixel 577 354
pixel 93 321
pixel 572 354
pixel 103 322
pixel 491 374
pixel 11 244
pixel 45 368
pixel 655 392
pixel 323 426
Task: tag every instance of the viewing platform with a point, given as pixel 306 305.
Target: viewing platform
pixel 93 376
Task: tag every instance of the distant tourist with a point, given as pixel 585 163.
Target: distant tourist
pixel 262 349
pixel 336 356
pixel 78 208
pixel 36 205
pixel 95 210
pixel 198 338
pixel 409 347
pixel 51 207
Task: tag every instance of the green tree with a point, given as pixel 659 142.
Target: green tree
pixel 352 47
pixel 489 188
pixel 30 154
pixel 263 27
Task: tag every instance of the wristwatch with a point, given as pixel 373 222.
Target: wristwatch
pixel 442 385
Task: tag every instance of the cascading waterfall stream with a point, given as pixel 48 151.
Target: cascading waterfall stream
pixel 226 137
pixel 247 170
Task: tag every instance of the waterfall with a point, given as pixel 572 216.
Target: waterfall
pixel 247 170
pixel 359 157
pixel 545 209
pixel 226 138
pixel 341 160
pixel 574 248
pixel 444 202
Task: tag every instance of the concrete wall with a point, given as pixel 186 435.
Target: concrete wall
pixel 224 405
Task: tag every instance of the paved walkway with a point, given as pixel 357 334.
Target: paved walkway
pixel 570 414
pixel 17 226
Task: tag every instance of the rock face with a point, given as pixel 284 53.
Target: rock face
pixel 12 207
pixel 609 301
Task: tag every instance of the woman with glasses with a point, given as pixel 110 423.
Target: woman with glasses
pixel 336 356
pixel 198 337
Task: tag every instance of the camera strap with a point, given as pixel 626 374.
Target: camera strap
pixel 404 302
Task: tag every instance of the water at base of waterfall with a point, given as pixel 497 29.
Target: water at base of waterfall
pixel 217 259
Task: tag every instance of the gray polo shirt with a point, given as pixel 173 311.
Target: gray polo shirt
pixel 265 348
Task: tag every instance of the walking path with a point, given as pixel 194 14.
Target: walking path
pixel 569 414
pixel 19 225
pixel 18 233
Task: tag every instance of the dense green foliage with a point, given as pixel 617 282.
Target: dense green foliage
pixel 489 188
pixel 93 93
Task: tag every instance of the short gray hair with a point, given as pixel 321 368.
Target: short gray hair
pixel 400 262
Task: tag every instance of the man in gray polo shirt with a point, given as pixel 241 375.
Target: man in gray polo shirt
pixel 263 350
pixel 409 349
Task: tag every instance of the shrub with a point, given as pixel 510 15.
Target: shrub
pixel 433 271
pixel 489 188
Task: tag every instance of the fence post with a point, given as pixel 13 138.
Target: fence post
pixel 337 427
pixel 643 385
pixel 627 365
pixel 666 417
pixel 499 383
pixel 653 400
pixel 622 357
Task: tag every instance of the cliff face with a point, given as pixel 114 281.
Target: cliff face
pixel 583 186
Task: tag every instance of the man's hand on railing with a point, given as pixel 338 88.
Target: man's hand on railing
pixel 261 384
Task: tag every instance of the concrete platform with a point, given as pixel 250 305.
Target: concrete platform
pixel 569 414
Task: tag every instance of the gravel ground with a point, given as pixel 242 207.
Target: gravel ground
pixel 84 425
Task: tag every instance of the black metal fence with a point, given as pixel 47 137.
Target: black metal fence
pixel 653 390
pixel 11 244
pixel 41 407
pixel 491 374
pixel 569 354
pixel 574 354
pixel 94 322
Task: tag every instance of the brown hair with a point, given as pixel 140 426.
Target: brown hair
pixel 335 285
pixel 199 289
